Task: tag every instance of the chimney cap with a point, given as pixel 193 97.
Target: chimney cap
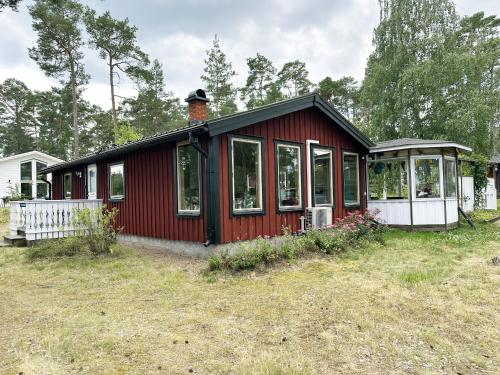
pixel 197 95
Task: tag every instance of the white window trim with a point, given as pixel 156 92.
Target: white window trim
pixel 89 168
pixel 259 144
pixel 330 152
pixel 414 178
pixel 116 197
pixel 299 148
pixel 179 211
pixel 358 183
pixel 64 185
pixel 384 160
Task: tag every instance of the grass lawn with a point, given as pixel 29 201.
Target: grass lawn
pixel 425 303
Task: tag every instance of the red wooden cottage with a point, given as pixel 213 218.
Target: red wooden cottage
pixel 233 178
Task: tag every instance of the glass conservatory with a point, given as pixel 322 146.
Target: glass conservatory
pixel 413 183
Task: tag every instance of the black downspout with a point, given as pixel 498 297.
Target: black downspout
pixel 196 145
pixel 50 186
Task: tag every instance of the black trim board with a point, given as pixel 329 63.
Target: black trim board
pixel 261 140
pixel 213 191
pixel 278 142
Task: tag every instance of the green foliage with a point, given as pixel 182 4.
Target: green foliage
pixel 58 50
pixel 154 110
pixel 261 74
pixel 480 174
pixel 117 45
pixel 433 75
pixel 95 232
pixel 343 94
pixel 12 4
pixel 293 79
pixel 217 79
pixel 350 232
pixel 16 117
pixel 126 133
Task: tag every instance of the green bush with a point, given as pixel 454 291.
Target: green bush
pixel 351 231
pixel 95 232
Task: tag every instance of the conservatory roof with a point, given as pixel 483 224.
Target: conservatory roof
pixel 415 143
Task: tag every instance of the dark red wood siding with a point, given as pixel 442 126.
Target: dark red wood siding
pixel 149 206
pixel 309 124
pixel 78 190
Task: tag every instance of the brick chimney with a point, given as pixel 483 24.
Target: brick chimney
pixel 197 106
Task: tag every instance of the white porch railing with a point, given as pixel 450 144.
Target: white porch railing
pixel 41 219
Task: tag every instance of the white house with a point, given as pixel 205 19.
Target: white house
pixel 19 172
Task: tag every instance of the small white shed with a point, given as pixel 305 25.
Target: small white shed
pixel 19 172
pixel 413 183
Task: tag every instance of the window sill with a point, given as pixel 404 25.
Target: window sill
pixel 188 215
pixel 116 199
pixel 283 210
pixel 248 213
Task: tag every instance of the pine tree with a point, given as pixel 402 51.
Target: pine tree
pixel 12 4
pixel 217 79
pixel 58 50
pixel 261 74
pixel 16 118
pixel 342 94
pixel 293 79
pixel 116 42
pixel 154 110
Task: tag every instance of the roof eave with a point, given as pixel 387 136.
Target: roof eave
pixel 374 150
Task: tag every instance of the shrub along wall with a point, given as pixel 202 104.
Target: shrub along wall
pixel 350 231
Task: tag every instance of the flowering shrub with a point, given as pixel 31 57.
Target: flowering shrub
pixel 350 231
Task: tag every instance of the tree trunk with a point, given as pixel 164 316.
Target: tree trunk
pixel 74 97
pixel 113 104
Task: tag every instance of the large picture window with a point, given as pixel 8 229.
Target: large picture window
pixel 188 179
pixel 388 179
pixel 427 179
pixel 322 176
pixel 450 172
pixel 289 173
pixel 67 185
pixel 246 179
pixel 351 179
pixel 116 181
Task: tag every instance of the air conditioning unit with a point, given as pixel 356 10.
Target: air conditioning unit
pixel 318 217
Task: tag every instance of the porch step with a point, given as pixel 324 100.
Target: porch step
pixel 4 244
pixel 15 240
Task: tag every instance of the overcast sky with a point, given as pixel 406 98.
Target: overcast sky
pixel 333 37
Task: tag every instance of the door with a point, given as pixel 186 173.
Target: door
pixel 92 181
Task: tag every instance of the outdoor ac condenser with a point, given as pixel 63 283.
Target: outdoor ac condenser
pixel 318 217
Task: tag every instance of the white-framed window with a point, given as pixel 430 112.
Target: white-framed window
pixel 67 185
pixel 188 173
pixel 350 176
pixel 427 172
pixel 450 178
pixel 116 181
pixel 388 179
pixel 322 163
pixel 289 176
pixel 246 175
pixel 92 181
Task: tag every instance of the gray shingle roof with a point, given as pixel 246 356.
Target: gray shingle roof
pixel 495 159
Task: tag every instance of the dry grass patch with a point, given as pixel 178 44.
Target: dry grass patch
pixel 422 304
